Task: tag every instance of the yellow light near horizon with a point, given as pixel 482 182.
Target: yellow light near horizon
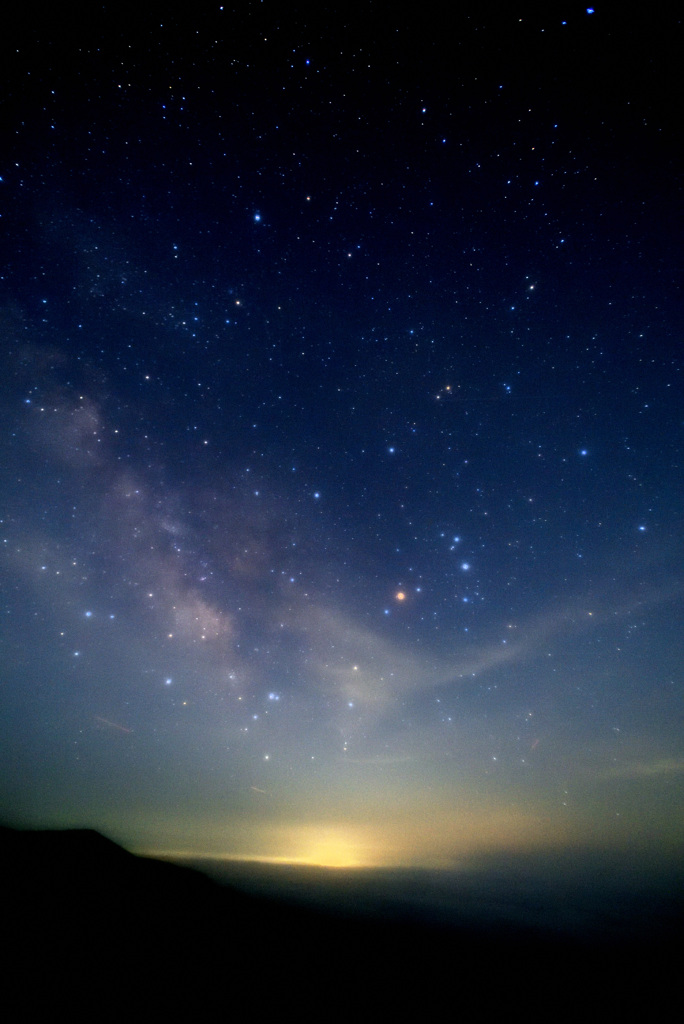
pixel 323 845
pixel 431 836
pixel 330 847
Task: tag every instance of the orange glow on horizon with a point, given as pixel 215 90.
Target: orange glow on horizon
pixel 438 841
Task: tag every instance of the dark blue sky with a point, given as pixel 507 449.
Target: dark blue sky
pixel 342 426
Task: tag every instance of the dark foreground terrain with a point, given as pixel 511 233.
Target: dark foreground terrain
pixel 95 933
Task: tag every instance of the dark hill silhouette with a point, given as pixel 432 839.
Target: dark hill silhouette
pixel 96 933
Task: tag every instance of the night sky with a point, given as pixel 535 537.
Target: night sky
pixel 341 473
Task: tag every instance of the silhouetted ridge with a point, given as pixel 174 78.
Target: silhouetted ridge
pixel 109 935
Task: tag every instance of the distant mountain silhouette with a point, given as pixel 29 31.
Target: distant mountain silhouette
pixel 96 933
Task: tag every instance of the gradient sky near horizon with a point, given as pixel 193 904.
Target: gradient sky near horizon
pixel 341 474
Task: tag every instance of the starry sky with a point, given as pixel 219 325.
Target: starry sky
pixel 342 431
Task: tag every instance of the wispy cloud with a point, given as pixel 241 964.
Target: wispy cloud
pixel 662 767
